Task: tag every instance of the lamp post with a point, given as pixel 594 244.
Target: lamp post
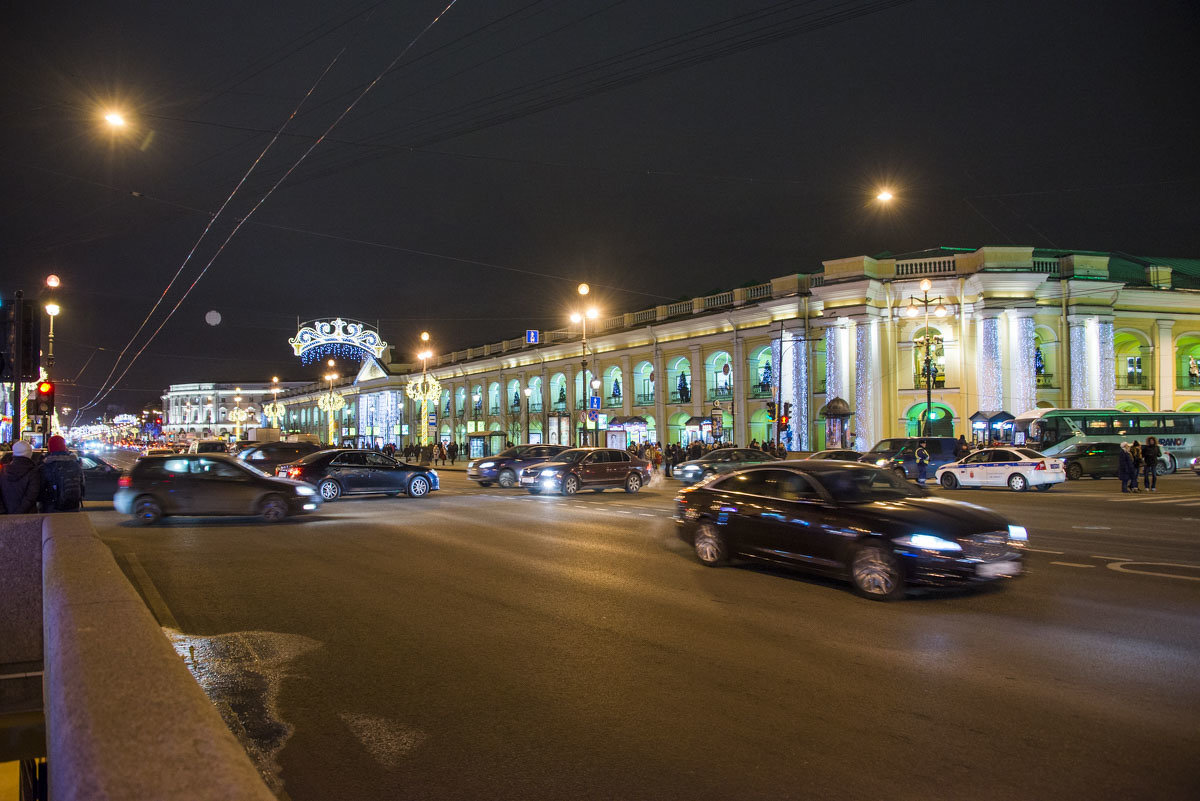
pixel 238 415
pixel 275 409
pixel 591 313
pixel 596 428
pixel 52 310
pixel 528 411
pixel 330 403
pixel 927 363
pixel 425 390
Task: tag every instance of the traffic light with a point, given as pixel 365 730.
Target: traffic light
pixel 786 417
pixel 42 402
pixel 771 409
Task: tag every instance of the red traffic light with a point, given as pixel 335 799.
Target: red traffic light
pixel 45 388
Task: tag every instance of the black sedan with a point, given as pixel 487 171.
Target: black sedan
pixel 506 466
pixel 194 484
pixel 850 521
pixel 346 471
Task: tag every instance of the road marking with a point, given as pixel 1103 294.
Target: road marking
pixel 1040 550
pixel 153 599
pixel 1114 558
pixel 1120 567
pixel 647 514
pixel 1093 528
pixel 1070 564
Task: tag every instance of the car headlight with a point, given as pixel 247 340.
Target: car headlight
pixel 305 491
pixel 548 473
pixel 928 542
pixel 1018 534
pixel 691 469
pixel 486 464
pixel 880 462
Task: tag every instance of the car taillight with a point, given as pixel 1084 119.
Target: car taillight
pixel 1040 466
pixel 125 481
pixel 293 472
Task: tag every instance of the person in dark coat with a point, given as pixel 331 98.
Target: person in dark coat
pixel 961 448
pixel 1125 468
pixel 1151 453
pixel 20 483
pixel 62 478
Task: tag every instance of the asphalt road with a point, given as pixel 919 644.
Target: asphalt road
pixel 490 644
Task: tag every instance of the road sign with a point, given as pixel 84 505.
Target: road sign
pixel 532 336
pixel 593 415
pixel 594 402
pixel 433 418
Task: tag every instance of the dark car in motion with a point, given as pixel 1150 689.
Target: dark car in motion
pixel 505 467
pixel 837 454
pixel 193 484
pixel 851 521
pixel 350 471
pixel 266 456
pixel 721 460
pixel 596 469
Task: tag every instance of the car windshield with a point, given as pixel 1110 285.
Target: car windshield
pixel 889 445
pixel 1029 453
pixel 865 485
pixel 573 455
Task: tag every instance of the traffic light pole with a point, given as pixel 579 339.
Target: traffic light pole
pixel 18 354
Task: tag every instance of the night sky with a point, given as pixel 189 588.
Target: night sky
pixel 654 149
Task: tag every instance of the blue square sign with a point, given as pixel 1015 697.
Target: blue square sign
pixel 532 336
pixel 594 402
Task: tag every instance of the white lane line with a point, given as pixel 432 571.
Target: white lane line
pixel 1114 558
pixel 1123 567
pixel 1070 564
pixel 646 514
pixel 1040 550
pixel 1093 528
pixel 153 599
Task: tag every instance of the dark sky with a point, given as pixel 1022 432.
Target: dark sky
pixel 654 148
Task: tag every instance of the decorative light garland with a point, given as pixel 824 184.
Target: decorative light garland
pixel 802 414
pixel 1106 389
pixel 1079 366
pixel 864 385
pixel 330 403
pixel 425 390
pixel 988 372
pixel 1025 381
pixel 833 363
pixel 341 339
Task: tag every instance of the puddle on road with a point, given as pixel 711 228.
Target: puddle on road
pixel 241 672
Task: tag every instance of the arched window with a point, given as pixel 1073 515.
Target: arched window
pixel 477 398
pixel 558 392
pixel 513 396
pixel 460 401
pixel 1132 351
pixel 679 380
pixel 762 373
pixel 535 396
pixel 614 388
pixel 643 382
pixel 718 372
pixel 1045 357
pixel 583 388
pixel 1187 362
pixel 445 403
pixel 929 358
pixel 941 421
pixel 494 398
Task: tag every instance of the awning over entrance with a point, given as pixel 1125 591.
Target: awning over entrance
pixel 990 418
pixel 835 408
pixel 635 420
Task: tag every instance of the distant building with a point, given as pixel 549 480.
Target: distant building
pixel 204 410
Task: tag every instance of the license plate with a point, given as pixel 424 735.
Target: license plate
pixel 527 479
pixel 997 569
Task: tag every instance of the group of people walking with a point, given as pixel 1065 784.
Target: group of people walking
pixel 56 485
pixel 1137 459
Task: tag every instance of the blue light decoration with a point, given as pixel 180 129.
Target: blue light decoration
pixel 337 338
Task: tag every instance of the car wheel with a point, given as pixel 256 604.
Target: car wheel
pixel 1045 487
pixel 146 511
pixel 875 572
pixel 570 485
pixel 949 481
pixel 418 487
pixel 710 546
pixel 1074 471
pixel 1018 482
pixel 1164 466
pixel 507 479
pixel 330 490
pixel 633 483
pixel 273 509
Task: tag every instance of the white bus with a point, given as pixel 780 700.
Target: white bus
pixel 1053 431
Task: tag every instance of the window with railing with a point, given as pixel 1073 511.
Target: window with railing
pixel 1134 381
pixel 939 381
pixel 559 406
pixel 535 407
pixel 762 391
pixel 720 393
pixel 644 399
pixel 494 410
pixel 612 402
pixel 1047 381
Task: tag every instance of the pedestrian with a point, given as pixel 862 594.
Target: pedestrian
pixel 452 451
pixel 20 483
pixel 62 479
pixel 961 448
pixel 1151 452
pixel 1135 451
pixel 1125 470
pixel 922 456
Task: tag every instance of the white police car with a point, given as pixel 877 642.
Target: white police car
pixel 1016 468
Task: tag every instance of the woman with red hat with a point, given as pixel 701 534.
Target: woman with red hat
pixel 62 478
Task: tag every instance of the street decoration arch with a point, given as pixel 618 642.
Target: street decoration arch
pixel 337 338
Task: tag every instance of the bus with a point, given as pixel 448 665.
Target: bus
pixel 1053 431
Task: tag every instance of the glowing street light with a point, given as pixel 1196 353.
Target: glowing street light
pixel 581 318
pixel 330 403
pixel 884 196
pixel 424 391
pixel 584 289
pixel 53 281
pixel 115 119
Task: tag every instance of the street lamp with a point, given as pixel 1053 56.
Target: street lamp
pixel 330 403
pixel 275 409
pixel 52 309
pixel 115 119
pixel 238 415
pixel 426 390
pixel 927 341
pixel 884 196
pixel 581 318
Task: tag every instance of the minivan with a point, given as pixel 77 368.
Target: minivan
pixel 900 454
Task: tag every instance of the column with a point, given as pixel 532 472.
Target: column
pixel 627 387
pixel 1022 390
pixel 662 432
pixel 1079 362
pixel 988 375
pixel 867 378
pixel 798 387
pixel 834 361
pixel 1164 365
pixel 698 382
pixel 1106 386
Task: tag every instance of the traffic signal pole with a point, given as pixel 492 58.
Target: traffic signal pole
pixel 18 354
